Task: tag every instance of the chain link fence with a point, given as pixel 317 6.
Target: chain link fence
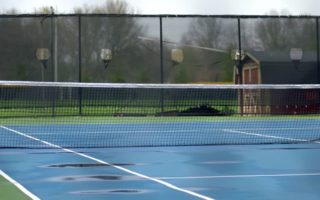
pixel 143 48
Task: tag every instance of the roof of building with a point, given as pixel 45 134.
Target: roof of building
pixel 278 68
pixel 282 56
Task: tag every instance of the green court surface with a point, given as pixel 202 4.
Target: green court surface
pixel 9 191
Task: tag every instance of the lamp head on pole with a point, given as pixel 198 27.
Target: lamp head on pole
pixel 296 54
pixel 177 56
pixel 237 55
pixel 106 56
pixel 43 55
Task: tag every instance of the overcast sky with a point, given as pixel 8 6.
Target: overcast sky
pixel 250 7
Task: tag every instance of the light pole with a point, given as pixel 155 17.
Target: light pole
pixel 53 43
pixel 238 56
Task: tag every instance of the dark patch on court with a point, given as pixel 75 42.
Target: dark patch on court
pixel 114 191
pixel 94 178
pixel 80 165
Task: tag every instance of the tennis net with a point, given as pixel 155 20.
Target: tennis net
pixel 92 115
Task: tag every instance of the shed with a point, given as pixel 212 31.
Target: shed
pixel 272 67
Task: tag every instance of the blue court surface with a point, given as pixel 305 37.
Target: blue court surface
pixel 265 171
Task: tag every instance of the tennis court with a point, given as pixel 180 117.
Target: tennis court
pixel 154 144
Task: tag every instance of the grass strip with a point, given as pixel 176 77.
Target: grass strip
pixel 10 191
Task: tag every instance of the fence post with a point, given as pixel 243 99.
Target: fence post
pixel 239 66
pixel 79 64
pixel 161 65
pixel 318 49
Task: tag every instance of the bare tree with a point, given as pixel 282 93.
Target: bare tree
pixel 19 39
pixel 118 33
pixel 279 34
pixel 216 34
pixel 206 32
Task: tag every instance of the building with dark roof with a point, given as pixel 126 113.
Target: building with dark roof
pixel 279 68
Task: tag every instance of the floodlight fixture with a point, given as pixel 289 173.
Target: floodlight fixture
pixel 296 54
pixel 238 55
pixel 106 57
pixel 177 56
pixel 43 55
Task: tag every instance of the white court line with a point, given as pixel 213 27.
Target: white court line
pixel 19 186
pixel 169 185
pixel 136 131
pixel 185 130
pixel 280 128
pixel 268 136
pixel 239 176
